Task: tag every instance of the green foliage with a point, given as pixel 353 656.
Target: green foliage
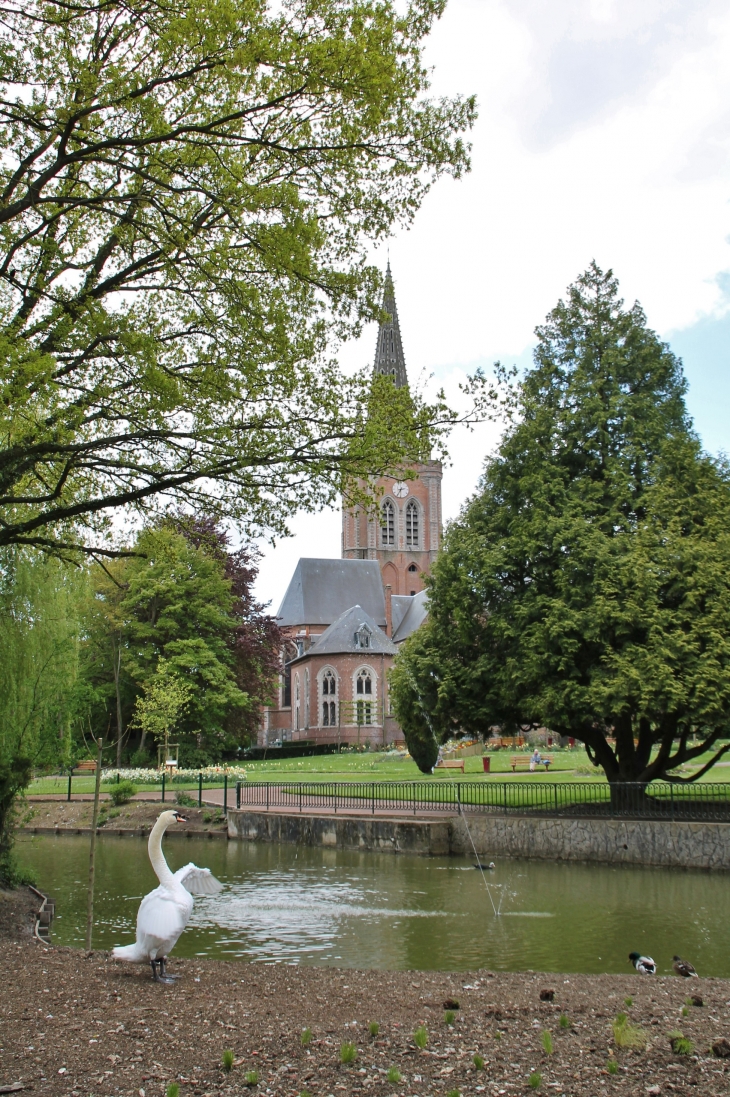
pixel 535 1079
pixel 420 1037
pixel 685 1011
pixel 454 1093
pixel 612 1066
pixel 564 1021
pixel 586 586
pixel 681 1045
pixel 185 800
pixel 547 1042
pixel 306 1037
pixel 497 1035
pixel 121 792
pixel 373 1028
pixel 628 1002
pixel 449 1017
pixel 227 1060
pixel 626 1035
pixel 478 1061
pixel 162 340
pixel 348 1052
pixel 39 600
pixel 394 1076
pixel 173 1090
pixel 251 1077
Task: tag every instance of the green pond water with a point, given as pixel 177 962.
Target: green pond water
pixel 288 904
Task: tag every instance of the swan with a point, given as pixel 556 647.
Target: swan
pixel 164 913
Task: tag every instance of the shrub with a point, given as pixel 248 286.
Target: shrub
pixel 306 1037
pixel 183 800
pixel 228 1060
pixel 373 1028
pixel 122 792
pixel 348 1052
pixel 535 1079
pixel 394 1076
pixel 547 1042
pixel 420 1037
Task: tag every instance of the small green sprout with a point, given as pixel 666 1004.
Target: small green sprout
pixel 498 1035
pixel 564 1020
pixel 173 1090
pixel 394 1076
pixel 535 1079
pixel 373 1028
pixel 680 1044
pixel 685 1011
pixel 348 1052
pixel 454 1093
pixel 627 1035
pixel 251 1077
pixel 628 1002
pixel 478 1062
pixel 449 1017
pixel 228 1061
pixel 547 1042
pixel 420 1037
pixel 612 1066
pixel 305 1093
pixel 306 1037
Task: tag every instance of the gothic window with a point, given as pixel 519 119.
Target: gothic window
pixel 329 705
pixel 296 702
pixel 306 697
pixel 412 568
pixel 412 524
pixel 363 696
pixel 363 637
pixel 387 523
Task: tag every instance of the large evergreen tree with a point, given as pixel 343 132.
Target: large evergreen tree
pixel 586 586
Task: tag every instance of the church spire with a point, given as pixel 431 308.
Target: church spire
pixel 389 357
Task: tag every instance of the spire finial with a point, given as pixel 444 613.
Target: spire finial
pixel 389 357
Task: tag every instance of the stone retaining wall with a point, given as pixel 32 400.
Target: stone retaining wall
pixel 612 841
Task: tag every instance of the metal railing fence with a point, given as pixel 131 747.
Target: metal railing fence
pixel 659 800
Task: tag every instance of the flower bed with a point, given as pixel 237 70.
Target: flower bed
pixel 153 776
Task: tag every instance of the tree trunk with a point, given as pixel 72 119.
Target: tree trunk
pixel 117 662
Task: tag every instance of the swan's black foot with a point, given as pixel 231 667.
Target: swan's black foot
pixel 164 973
pixel 159 976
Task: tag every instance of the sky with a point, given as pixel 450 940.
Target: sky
pixel 603 133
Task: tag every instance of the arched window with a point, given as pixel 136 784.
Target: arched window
pixel 363 696
pixel 306 697
pixel 329 704
pixel 387 523
pixel 412 568
pixel 363 637
pixel 296 702
pixel 412 524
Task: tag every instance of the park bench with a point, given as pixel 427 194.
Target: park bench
pixel 451 763
pixel 522 761
pixel 86 767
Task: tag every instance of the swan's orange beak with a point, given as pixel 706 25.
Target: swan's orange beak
pixel 180 818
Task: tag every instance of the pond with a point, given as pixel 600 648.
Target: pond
pixel 300 905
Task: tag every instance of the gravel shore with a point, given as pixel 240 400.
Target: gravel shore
pixel 77 1024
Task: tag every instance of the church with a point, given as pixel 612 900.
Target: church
pixel 344 619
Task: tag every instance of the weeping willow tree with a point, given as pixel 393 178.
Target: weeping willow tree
pixel 39 599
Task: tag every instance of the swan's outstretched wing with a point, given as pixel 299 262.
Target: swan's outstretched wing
pixel 198 881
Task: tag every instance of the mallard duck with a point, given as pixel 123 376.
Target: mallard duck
pixel 683 967
pixel 643 964
pixel 490 865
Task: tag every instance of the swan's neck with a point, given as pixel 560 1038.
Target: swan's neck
pixel 159 864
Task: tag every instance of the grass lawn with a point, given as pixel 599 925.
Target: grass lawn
pixel 378 767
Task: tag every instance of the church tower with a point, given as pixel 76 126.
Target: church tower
pixel 405 535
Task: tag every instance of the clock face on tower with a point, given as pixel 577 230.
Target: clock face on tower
pixel 400 489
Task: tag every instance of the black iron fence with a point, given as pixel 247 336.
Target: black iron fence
pixel 659 800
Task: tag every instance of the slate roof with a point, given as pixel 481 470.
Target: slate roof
pixel 321 590
pixel 389 356
pixel 339 638
pixel 414 616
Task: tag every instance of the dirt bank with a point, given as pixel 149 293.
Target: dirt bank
pixel 80 1025
pixel 44 815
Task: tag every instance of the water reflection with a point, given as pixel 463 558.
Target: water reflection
pixel 315 906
